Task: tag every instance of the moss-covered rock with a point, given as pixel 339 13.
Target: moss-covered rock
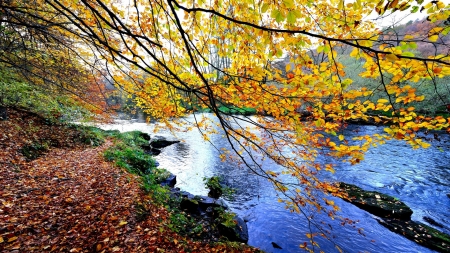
pixel 420 233
pixel 376 203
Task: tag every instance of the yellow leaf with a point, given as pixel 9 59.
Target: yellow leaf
pixel 433 38
pixel 288 67
pixel 122 223
pixel 436 30
pixel 382 101
pixel 391 57
pixel 341 137
pixel 420 98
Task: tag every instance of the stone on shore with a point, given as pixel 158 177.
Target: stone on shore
pixel 237 233
pixel 169 181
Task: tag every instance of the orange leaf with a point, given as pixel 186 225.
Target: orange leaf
pixel 12 239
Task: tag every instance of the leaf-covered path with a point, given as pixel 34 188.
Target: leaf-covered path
pixel 71 200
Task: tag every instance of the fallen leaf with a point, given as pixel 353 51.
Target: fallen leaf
pixel 12 239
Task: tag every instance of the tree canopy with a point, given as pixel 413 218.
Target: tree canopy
pixel 175 57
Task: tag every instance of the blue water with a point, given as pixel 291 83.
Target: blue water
pixel 420 178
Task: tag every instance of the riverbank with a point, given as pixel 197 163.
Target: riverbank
pixel 60 194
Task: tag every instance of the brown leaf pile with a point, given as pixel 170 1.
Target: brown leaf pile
pixel 71 200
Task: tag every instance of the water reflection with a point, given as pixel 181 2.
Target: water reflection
pixel 420 178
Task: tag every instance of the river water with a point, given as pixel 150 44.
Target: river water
pixel 420 178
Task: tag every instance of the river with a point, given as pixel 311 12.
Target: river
pixel 420 178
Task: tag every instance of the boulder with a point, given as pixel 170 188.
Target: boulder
pixel 420 233
pixel 376 203
pixel 148 149
pixel 238 232
pixel 170 181
pixel 205 202
pixel 215 193
pixel 185 194
pixel 189 205
pixel 203 210
pixel 161 143
pixel 144 136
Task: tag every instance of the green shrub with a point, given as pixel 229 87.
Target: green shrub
pixel 150 185
pixel 225 218
pixel 180 223
pixel 133 138
pixel 34 150
pixel 130 158
pixel 92 135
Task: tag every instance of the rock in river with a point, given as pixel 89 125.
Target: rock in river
pixel 376 203
pixel 161 143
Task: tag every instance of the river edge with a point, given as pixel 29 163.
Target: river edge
pixel 393 214
pixel 210 211
pixel 175 152
pixel 59 193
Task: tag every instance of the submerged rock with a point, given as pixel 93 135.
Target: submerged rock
pixel 420 233
pixel 376 203
pixel 276 246
pixel 431 221
pixel 396 216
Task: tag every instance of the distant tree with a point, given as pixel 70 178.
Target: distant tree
pixel 44 57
